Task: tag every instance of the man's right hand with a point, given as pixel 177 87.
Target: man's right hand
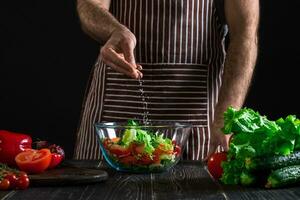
pixel 118 53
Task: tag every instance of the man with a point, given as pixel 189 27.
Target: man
pixel 177 48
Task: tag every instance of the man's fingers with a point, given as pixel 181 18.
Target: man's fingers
pixel 139 67
pixel 134 74
pixel 113 59
pixel 212 150
pixel 127 47
pixel 129 57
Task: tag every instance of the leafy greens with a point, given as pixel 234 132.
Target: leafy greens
pixel 254 136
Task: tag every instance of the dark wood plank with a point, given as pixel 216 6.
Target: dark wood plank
pixel 187 180
pixel 6 194
pixel 249 193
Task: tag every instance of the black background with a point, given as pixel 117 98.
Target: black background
pixel 45 60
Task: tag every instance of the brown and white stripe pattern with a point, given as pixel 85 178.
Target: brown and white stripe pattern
pixel 180 44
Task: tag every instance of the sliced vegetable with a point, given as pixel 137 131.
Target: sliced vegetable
pixel 34 161
pixel 119 150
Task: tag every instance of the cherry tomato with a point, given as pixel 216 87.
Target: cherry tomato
pixel 136 148
pixel 115 140
pixel 214 164
pixel 177 150
pixel 34 161
pixel 4 184
pixel 21 173
pixel 12 180
pixel 160 150
pixel 107 143
pixel 145 160
pixel 128 160
pixel 119 150
pixel 22 183
pixel 56 159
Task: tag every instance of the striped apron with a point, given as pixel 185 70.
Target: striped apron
pixel 180 44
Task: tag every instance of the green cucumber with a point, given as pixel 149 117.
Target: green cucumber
pixel 272 162
pixel 284 176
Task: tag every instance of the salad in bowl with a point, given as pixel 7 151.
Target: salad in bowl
pixel 131 147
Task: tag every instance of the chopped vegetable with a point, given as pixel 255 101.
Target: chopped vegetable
pixel 139 148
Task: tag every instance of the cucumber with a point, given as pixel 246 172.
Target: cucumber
pixel 272 162
pixel 284 176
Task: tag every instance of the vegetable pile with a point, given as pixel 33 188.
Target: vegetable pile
pixel 261 151
pixel 18 152
pixel 12 178
pixel 140 150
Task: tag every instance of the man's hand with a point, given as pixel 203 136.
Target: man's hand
pixel 118 53
pixel 119 42
pixel 217 138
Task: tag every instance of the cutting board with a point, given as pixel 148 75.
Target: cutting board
pixel 68 176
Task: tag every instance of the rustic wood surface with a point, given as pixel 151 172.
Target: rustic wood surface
pixel 187 180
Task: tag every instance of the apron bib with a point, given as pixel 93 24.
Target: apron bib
pixel 180 44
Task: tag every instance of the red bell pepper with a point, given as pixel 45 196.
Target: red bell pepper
pixel 12 143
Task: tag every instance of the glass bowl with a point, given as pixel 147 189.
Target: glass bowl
pixel 130 147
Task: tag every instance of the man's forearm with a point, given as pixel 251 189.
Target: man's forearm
pixel 96 20
pixel 238 71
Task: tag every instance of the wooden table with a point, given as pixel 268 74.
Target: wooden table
pixel 187 180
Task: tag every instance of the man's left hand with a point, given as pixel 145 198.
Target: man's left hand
pixel 217 138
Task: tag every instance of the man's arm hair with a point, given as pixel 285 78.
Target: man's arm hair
pixel 96 19
pixel 242 17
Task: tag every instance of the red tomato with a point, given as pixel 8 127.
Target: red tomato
pixel 4 184
pixel 145 160
pixel 160 150
pixel 23 174
pixel 23 182
pixel 34 161
pixel 128 160
pixel 137 149
pixel 119 150
pixel 115 140
pixel 177 150
pixel 214 164
pixel 12 180
pixel 56 159
pixel 106 143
